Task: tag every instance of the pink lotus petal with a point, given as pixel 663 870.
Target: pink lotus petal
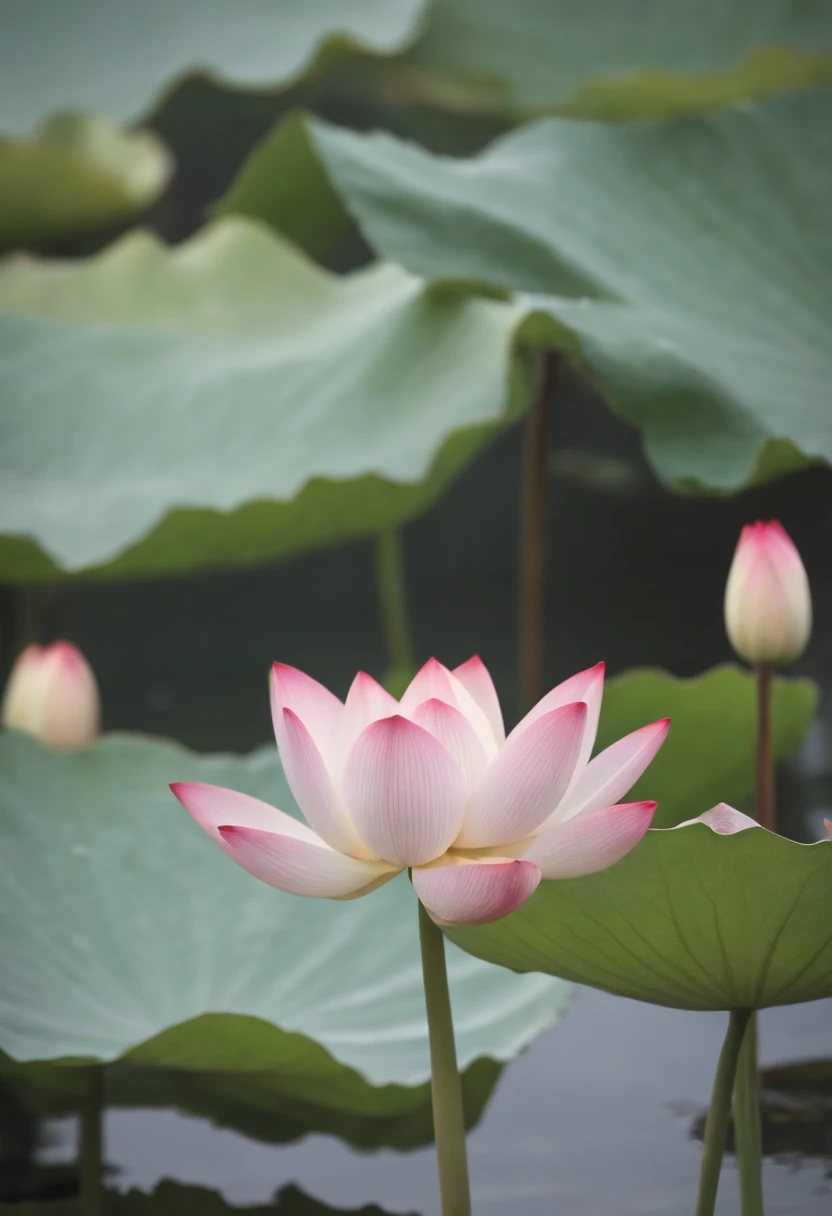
pixel 827 823
pixel 456 734
pixel 210 806
pixel 612 773
pixel 405 793
pixel 434 681
pixel 300 867
pixel 313 789
pixel 586 686
pixel 723 819
pixel 525 780
pixel 592 841
pixel 459 891
pixel 366 702
pixel 319 710
pixel 431 680
pixel 474 676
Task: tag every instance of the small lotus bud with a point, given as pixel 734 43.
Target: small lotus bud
pixel 52 694
pixel 768 605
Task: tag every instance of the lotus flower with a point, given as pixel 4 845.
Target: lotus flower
pixel 430 783
pixel 768 604
pixel 52 694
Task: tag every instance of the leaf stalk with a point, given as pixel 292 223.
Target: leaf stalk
pixel 719 1112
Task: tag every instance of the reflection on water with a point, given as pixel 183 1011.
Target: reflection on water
pixel 587 1122
pixel 796 1107
pixel 174 1199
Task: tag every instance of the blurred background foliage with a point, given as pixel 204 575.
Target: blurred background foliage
pixel 681 266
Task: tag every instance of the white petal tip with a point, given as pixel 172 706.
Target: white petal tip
pixel 723 820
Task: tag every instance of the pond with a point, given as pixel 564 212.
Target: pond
pixel 603 1112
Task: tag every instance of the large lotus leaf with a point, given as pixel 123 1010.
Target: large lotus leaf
pixel 686 266
pixel 78 172
pixel 115 58
pixel 126 933
pixel 632 58
pixel 709 754
pixel 255 1104
pixel 626 59
pixel 227 401
pixel 689 918
pixel 175 1199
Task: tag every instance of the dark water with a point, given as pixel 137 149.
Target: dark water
pixel 598 1116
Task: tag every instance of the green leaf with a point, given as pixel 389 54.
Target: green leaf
pixel 627 59
pixel 126 934
pixel 116 59
pixel 226 402
pixel 630 59
pixel 174 1199
pixel 689 918
pixel 709 754
pixel 686 267
pixel 78 172
pixel 284 184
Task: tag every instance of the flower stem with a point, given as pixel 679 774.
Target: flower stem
pixel 748 1136
pixel 446 1086
pixel 719 1112
pixel 90 1163
pixel 22 610
pixel 394 617
pixel 533 553
pixel 765 769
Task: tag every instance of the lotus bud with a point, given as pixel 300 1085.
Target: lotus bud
pixel 52 694
pixel 768 605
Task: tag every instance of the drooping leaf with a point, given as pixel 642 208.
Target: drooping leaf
pixel 78 172
pixel 175 1199
pixel 126 934
pixel 226 402
pixel 115 59
pixel 686 266
pixel 708 756
pixel 689 918
pixel 628 59
pixel 634 58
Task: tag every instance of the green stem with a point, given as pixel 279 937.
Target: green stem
pixel 393 601
pixel 446 1086
pixel 719 1112
pixel 22 612
pixel 748 1135
pixel 533 545
pixel 765 768
pixel 90 1165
